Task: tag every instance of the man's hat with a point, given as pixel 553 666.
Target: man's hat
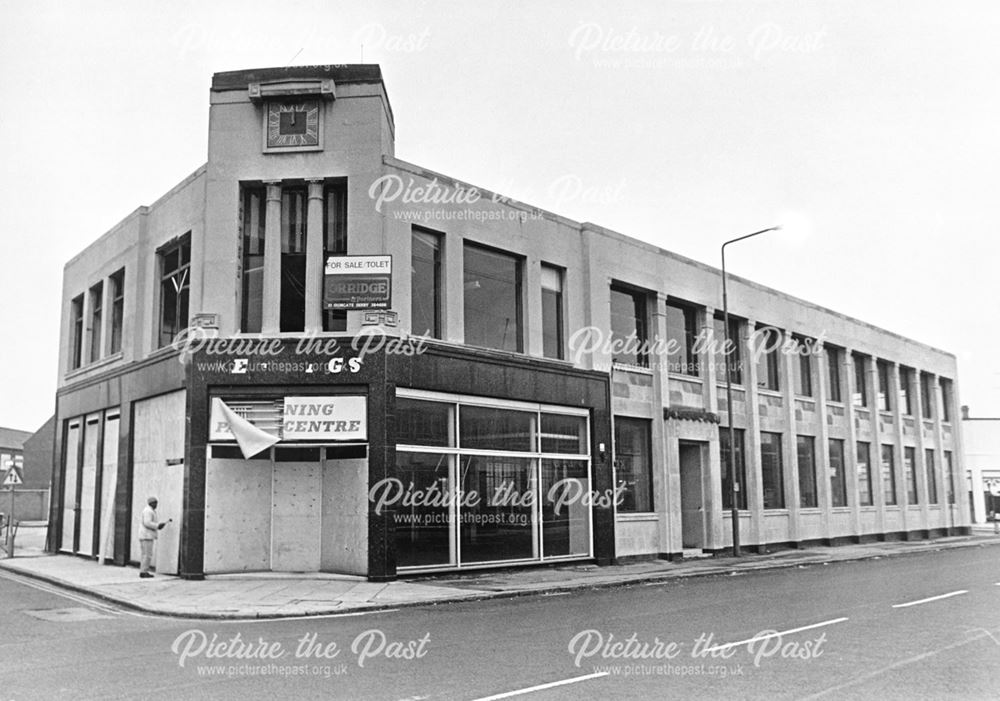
pixel 152 500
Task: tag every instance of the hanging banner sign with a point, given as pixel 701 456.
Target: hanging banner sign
pixel 339 418
pixel 357 282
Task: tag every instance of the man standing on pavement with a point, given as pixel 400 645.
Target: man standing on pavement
pixel 148 529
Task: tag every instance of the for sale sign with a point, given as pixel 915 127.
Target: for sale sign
pixel 357 282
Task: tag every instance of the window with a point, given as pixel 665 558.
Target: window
pixel 864 474
pixel 884 395
pixel 910 470
pixel 770 470
pixel 833 361
pixel 117 311
pixel 96 318
pixel 860 397
pixel 808 498
pixel 492 299
pixel 932 494
pixel 802 368
pixel 926 395
pixel 633 465
pixel 334 244
pixel 552 312
pixel 741 469
pixel 252 215
pixel 949 468
pixel 766 346
pixel 946 400
pixel 906 391
pixel 628 326
pixel 838 473
pixel 175 279
pixel 889 474
pixel 76 332
pixel 682 334
pixel 293 259
pixel 425 283
pixel 728 352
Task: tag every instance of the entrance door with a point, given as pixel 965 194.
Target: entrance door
pixel 692 503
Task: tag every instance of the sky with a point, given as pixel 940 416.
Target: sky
pixel 867 128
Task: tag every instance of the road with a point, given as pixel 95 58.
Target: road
pixel 916 627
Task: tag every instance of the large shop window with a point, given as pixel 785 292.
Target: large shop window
pixel 493 316
pixel 806 446
pixel 633 464
pixel 629 326
pixel 425 285
pixel 949 471
pixel 741 468
pixel 889 474
pixel 771 476
pixel 482 484
pixel 682 335
pixel 175 280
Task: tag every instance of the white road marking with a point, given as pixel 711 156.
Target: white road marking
pixel 776 634
pixel 902 663
pixel 929 599
pixel 530 689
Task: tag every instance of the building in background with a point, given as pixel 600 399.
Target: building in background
pixel 412 374
pixel 981 438
pixel 34 494
pixel 12 454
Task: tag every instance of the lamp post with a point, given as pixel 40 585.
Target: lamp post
pixel 734 485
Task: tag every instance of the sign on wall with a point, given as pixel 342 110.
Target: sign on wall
pixel 357 282
pixel 340 418
pixel 264 423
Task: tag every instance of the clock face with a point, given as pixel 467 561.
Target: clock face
pixel 292 124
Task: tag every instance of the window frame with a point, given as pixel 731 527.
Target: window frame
pixel 890 496
pixel 640 314
pixel 734 368
pixel 834 381
pixel 691 366
pixel 645 425
pixel 859 397
pixel 739 436
pixel 183 290
pixel 865 497
pixel 95 322
pixel 117 328
pixel 777 478
pixel 768 359
pixel 435 241
pixel 518 262
pixel 838 480
pixel 559 323
pixel 808 470
pixel 76 332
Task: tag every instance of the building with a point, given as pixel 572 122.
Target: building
pixel 321 357
pixel 12 455
pixel 33 495
pixel 981 438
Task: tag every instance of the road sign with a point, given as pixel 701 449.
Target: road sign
pixel 13 477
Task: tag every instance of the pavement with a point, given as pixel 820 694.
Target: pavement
pixel 277 595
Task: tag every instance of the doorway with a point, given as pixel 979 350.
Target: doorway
pixel 692 456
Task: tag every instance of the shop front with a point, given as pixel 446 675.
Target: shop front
pixel 378 463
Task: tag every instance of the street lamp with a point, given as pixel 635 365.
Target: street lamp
pixel 734 485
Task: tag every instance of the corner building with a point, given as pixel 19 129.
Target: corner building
pixel 410 374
